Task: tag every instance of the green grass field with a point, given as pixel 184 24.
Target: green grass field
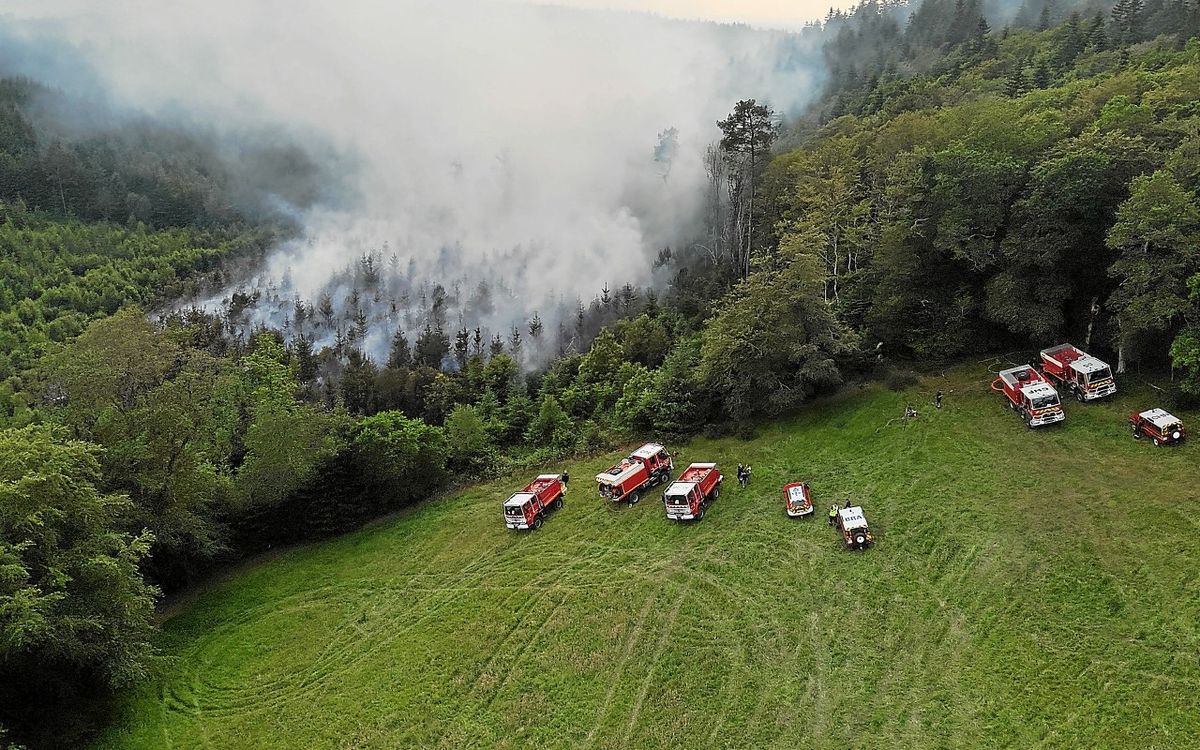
pixel 1027 590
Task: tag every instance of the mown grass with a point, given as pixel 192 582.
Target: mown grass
pixel 1028 590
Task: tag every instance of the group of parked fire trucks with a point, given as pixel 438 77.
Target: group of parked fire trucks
pixel 1032 392
pixel 684 499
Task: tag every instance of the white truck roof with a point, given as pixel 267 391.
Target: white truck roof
pixel 620 476
pixel 1039 390
pixel 1010 375
pixel 555 477
pixel 1089 364
pixel 1160 418
pixel 518 500
pixel 649 450
pixel 680 488
pixel 853 517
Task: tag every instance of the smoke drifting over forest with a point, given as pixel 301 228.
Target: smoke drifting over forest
pixel 508 153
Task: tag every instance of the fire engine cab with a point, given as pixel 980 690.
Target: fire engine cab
pixel 1030 394
pixel 528 508
pixel 1081 373
pixel 646 467
pixel 1162 427
pixel 688 497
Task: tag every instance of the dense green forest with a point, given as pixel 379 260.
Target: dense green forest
pixel 957 188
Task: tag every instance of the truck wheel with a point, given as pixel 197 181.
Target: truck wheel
pixel 558 504
pixel 1137 434
pixel 537 523
pixel 1079 395
pixel 860 540
pixel 634 497
pixel 700 513
pixel 716 492
pixel 1156 442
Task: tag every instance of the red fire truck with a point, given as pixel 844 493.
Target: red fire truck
pixel 1081 373
pixel 646 467
pixel 528 508
pixel 1161 426
pixel 690 494
pixel 1030 394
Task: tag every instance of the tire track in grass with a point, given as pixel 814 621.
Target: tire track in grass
pixel 644 690
pixel 287 688
pixel 566 584
pixel 348 652
pixel 631 641
pixel 339 655
pixel 536 589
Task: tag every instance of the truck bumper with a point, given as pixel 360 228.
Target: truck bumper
pixel 518 525
pixel 1098 393
pixel 1048 419
pixel 680 516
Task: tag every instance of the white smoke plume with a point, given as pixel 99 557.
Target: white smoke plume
pixel 490 142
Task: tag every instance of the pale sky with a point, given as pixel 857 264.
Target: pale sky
pixel 784 13
pixel 791 14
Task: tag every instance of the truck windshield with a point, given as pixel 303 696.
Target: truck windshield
pixel 1099 375
pixel 1045 402
pixel 512 510
pixel 677 499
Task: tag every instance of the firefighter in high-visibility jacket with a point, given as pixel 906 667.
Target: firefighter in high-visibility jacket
pixel 833 513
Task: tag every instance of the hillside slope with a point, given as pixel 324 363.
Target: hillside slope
pixel 1028 590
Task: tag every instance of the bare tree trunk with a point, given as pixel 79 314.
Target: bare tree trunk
pixel 1087 339
pixel 1120 348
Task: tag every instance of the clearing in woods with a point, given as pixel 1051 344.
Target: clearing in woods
pixel 1027 589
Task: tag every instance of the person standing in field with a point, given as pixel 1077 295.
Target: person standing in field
pixel 833 512
pixel 937 399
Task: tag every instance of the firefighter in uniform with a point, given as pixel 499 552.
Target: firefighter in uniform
pixel 833 512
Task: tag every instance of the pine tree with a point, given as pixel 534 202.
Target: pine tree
pixel 1126 21
pixel 1073 42
pixel 1015 85
pixel 1097 35
pixel 462 346
pixel 1041 75
pixel 514 343
pixel 400 354
pixel 306 361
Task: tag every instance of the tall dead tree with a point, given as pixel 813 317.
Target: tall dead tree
pixel 747 135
